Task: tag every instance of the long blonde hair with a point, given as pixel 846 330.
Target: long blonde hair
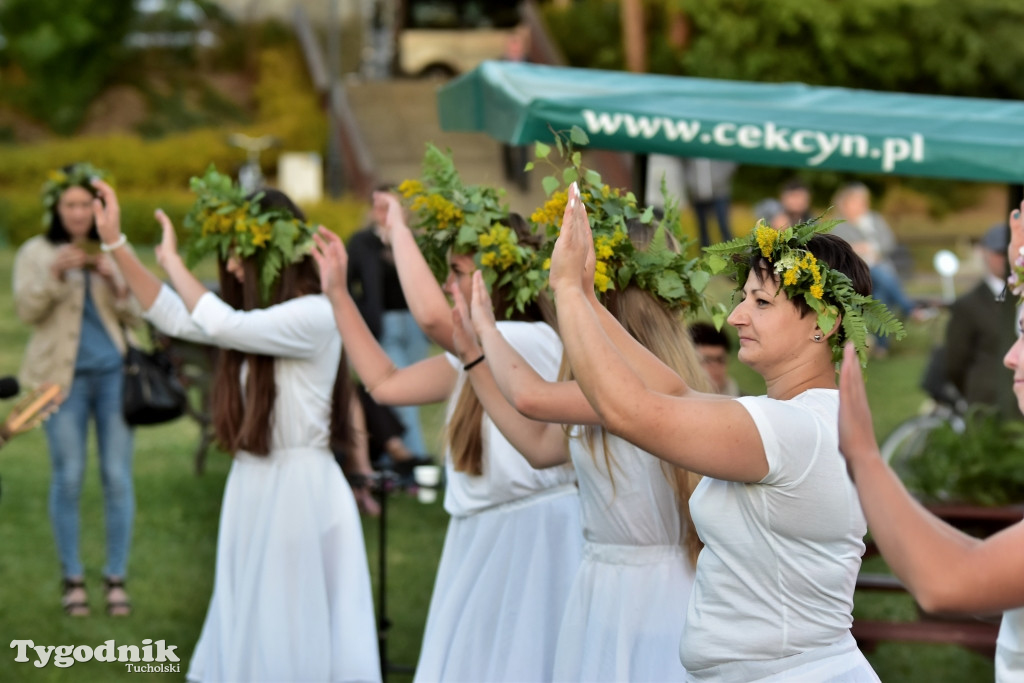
pixel 463 432
pixel 663 332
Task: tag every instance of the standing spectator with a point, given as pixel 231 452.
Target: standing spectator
pixel 795 198
pixel 709 189
pixel 771 212
pixel 873 240
pixel 714 348
pixel 514 157
pixel 981 328
pixel 373 280
pixel 73 295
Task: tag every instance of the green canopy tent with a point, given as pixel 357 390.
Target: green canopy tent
pixel 771 124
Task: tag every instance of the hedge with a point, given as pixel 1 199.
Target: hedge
pixel 288 109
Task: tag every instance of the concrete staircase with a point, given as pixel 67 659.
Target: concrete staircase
pixel 397 118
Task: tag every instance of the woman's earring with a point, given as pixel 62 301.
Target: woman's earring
pixel 817 337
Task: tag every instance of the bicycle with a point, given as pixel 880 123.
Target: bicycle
pixel 947 406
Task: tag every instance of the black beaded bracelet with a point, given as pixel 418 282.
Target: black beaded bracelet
pixel 472 364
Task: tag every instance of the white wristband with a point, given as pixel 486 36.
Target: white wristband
pixel 120 242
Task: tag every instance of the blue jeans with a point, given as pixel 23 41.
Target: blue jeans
pixel 98 395
pixel 404 342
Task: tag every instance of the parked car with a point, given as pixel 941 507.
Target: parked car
pixel 441 38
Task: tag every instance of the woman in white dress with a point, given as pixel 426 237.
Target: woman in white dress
pixel 513 542
pixel 628 603
pixel 291 597
pixel 779 517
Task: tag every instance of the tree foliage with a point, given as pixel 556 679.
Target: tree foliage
pixel 61 54
pixel 946 47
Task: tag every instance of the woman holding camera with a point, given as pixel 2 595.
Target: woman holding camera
pixel 72 294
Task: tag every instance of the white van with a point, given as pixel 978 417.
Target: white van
pixel 441 38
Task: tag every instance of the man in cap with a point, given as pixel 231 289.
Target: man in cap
pixel 980 330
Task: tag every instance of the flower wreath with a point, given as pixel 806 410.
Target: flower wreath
pixel 452 216
pixel 828 292
pixel 57 182
pixel 226 222
pixel 668 274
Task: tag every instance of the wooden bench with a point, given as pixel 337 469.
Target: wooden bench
pixel 975 633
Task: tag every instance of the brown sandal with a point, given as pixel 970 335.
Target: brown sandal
pixel 116 608
pixel 74 599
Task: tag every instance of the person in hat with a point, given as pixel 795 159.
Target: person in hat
pixel 981 328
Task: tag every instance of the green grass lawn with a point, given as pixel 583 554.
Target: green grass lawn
pixel 171 569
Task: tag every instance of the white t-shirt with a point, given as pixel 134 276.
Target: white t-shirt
pixel 1010 648
pixel 507 475
pixel 778 571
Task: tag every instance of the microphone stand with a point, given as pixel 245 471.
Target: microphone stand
pixel 383 482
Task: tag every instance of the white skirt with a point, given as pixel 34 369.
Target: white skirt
pixel 625 615
pixel 291 597
pixel 500 592
pixel 841 662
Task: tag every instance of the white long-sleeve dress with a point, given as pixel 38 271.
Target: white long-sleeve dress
pixel 512 548
pixel 291 598
pixel 628 604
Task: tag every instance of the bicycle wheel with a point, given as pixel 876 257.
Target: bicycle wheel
pixel 908 441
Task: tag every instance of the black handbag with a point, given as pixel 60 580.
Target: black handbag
pixel 152 391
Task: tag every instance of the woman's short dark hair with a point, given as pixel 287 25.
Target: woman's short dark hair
pixel 706 334
pixel 835 252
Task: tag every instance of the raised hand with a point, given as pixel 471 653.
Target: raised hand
pixel 464 338
pixel 569 258
pixel 856 432
pixel 392 209
pixel 481 308
pixel 107 211
pixel 332 259
pixel 1016 234
pixel 168 247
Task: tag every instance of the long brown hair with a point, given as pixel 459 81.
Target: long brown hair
pixel 463 433
pixel 663 332
pixel 244 422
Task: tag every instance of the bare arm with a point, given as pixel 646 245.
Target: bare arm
pixel 945 569
pixel 142 283
pixel 520 384
pixel 542 444
pixel 652 371
pixel 427 381
pixel 425 298
pixel 709 437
